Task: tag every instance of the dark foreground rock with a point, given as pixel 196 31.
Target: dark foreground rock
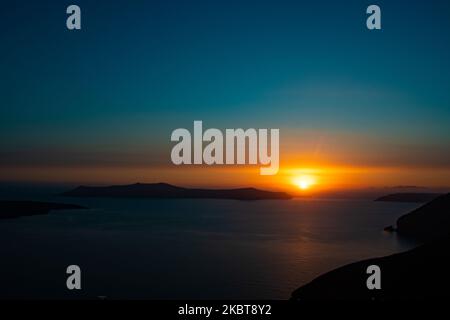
pixel 16 209
pixel 409 197
pixel 164 190
pixel 429 222
pixel 421 273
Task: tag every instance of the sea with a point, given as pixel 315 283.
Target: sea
pixel 188 248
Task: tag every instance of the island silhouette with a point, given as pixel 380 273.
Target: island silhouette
pixel 409 197
pixel 165 190
pixel 16 209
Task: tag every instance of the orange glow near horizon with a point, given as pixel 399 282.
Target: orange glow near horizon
pixel 310 180
pixel 311 162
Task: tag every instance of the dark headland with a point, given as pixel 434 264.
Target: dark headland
pixel 164 190
pixel 16 209
pixel 421 273
pixel 409 197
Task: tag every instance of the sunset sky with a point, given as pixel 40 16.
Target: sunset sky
pixel 355 108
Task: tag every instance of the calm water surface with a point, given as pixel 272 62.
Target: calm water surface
pixel 189 249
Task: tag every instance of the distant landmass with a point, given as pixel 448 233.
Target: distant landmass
pixel 164 190
pixel 16 209
pixel 409 197
pixel 421 273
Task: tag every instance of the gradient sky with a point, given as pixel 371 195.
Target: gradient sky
pixel 99 105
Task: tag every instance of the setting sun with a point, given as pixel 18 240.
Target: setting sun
pixel 304 182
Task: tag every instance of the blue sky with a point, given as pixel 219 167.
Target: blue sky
pixel 139 69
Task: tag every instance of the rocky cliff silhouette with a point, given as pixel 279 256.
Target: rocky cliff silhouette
pixel 430 221
pixel 418 274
